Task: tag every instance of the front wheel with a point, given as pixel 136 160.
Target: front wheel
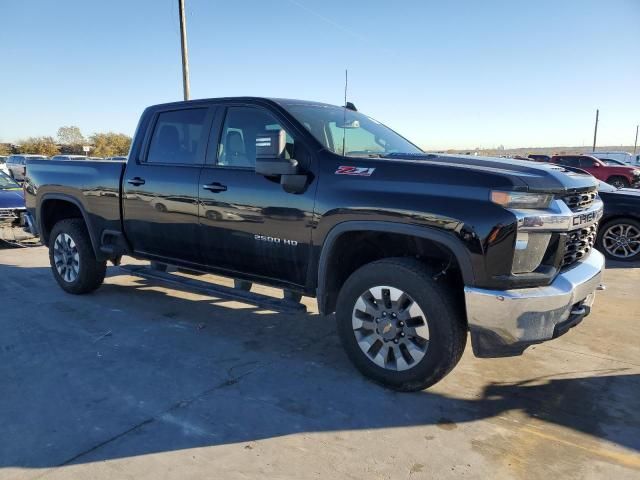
pixel 618 182
pixel 398 325
pixel 72 258
pixel 619 239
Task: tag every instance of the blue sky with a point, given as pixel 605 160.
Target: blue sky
pixel 454 74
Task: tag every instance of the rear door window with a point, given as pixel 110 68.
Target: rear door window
pixel 178 137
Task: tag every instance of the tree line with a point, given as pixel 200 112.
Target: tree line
pixel 70 141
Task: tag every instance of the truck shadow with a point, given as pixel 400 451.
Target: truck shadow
pixel 135 370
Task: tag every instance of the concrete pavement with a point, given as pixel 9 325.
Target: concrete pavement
pixel 140 381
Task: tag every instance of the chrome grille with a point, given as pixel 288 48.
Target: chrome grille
pixel 6 213
pixel 580 201
pixel 578 244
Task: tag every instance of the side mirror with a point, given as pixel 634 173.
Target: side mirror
pixel 270 155
pixel 271 161
pixel 596 165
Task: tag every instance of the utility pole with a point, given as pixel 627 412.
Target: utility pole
pixel 595 131
pixel 635 145
pixel 185 52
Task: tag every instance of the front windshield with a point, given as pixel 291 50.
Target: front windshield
pixel 349 133
pixel 608 161
pixel 6 183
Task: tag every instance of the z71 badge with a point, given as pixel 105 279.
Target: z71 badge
pixel 359 171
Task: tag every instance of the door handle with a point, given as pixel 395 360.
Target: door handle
pixel 136 181
pixel 215 187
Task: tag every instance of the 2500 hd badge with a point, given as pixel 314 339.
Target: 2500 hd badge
pixel 265 238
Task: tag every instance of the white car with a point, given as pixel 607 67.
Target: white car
pixel 624 157
pixel 3 165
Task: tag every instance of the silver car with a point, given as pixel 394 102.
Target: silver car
pixel 16 164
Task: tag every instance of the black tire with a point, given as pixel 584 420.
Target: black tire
pixel 91 272
pixel 447 328
pixel 605 227
pixel 618 182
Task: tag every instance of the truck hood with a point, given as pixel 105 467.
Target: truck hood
pixel 621 168
pixel 11 198
pixel 526 175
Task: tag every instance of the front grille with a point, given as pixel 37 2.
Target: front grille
pixel 578 244
pixel 580 201
pixel 8 213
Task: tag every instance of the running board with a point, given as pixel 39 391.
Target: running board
pixel 215 290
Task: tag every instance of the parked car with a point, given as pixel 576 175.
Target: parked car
pixel 69 157
pixel 3 165
pixel 619 232
pixel 411 250
pixel 618 176
pixel 610 161
pixel 624 157
pixel 539 157
pixel 12 207
pixel 16 164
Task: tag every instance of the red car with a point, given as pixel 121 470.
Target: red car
pixel 616 175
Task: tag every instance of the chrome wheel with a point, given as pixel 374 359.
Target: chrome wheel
pixel 390 328
pixel 621 240
pixel 66 258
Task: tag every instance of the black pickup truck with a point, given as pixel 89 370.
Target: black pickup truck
pixel 411 250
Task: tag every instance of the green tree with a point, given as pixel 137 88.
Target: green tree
pixel 70 136
pixel 39 146
pixel 109 144
pixel 5 149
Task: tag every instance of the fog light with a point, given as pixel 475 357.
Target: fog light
pixel 529 251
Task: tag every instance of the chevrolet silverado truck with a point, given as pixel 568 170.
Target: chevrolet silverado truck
pixel 411 250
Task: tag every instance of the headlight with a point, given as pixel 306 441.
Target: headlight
pixel 521 199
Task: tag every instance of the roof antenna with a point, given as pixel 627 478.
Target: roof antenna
pixel 344 119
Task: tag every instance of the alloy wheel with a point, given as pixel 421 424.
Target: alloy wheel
pixel 621 240
pixel 66 258
pixel 390 328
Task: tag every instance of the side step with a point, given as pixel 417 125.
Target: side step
pixel 215 290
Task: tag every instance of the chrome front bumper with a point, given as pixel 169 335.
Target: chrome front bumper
pixel 505 322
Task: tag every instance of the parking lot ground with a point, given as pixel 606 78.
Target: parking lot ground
pixel 145 382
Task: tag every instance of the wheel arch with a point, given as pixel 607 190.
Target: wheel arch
pixel 48 216
pixel 327 290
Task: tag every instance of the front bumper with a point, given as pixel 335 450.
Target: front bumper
pixel 504 323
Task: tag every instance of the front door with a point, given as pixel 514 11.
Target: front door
pixel 249 223
pixel 160 190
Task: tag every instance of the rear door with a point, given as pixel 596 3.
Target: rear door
pixel 249 223
pixel 160 188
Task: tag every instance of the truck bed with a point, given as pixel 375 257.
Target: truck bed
pixel 94 184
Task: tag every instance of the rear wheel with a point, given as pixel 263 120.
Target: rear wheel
pixel 399 326
pixel 618 182
pixel 72 258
